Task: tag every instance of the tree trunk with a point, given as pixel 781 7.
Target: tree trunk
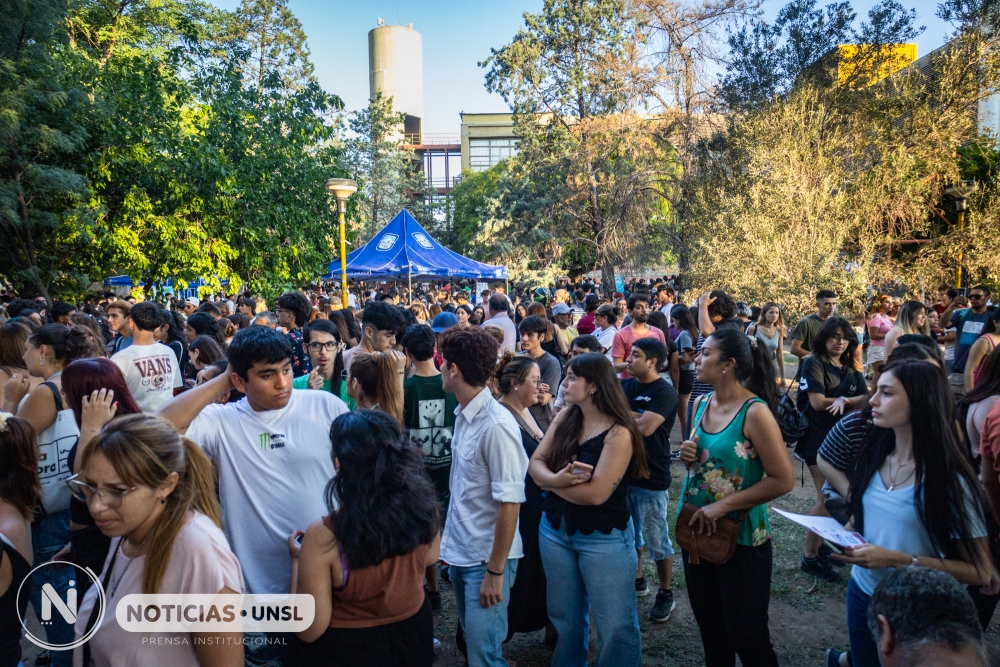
pixel 608 278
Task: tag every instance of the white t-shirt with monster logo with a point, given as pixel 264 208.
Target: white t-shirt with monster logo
pixel 273 468
pixel 152 373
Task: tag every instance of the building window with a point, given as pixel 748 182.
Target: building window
pixel 484 153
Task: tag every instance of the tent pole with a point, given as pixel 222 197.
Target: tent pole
pixel 409 279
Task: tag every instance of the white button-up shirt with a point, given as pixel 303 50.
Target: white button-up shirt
pixel 488 466
pixel 503 321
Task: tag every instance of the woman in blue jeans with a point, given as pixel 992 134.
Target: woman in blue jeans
pixel 915 497
pixel 588 551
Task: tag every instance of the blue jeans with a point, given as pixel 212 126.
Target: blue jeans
pixel 48 537
pixel 864 652
pixel 649 520
pixel 596 572
pixel 267 649
pixel 485 629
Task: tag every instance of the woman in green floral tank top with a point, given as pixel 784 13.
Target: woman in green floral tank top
pixel 736 462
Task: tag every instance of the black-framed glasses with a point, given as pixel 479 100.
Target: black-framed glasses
pixel 977 296
pixel 84 492
pixel 329 347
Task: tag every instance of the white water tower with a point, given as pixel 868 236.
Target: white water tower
pixel 396 69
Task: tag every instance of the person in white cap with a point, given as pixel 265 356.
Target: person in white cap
pixel 561 314
pixel 191 305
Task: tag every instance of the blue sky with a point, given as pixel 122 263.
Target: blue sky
pixel 456 35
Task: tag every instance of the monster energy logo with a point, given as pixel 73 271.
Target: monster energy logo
pixel 272 441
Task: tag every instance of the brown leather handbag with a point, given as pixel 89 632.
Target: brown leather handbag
pixel 716 548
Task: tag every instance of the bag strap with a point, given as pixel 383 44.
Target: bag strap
pixel 56 396
pixel 93 612
pixel 520 421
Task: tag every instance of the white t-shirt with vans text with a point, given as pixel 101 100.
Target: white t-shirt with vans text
pixel 273 468
pixel 151 372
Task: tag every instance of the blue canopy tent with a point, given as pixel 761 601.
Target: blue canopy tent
pixel 192 288
pixel 404 249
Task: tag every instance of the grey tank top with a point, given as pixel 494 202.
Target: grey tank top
pixel 770 343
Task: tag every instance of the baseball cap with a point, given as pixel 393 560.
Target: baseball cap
pixel 193 300
pixel 560 309
pixel 444 321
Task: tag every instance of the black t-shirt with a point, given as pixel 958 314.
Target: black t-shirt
pixel 659 397
pixel 821 377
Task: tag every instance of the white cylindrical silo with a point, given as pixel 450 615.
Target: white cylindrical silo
pixel 396 69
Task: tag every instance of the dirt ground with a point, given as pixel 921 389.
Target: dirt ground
pixel 806 616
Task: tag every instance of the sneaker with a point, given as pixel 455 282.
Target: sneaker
pixel 833 657
pixel 818 567
pixel 434 597
pixel 641 589
pixel 437 646
pixel 826 552
pixel 662 607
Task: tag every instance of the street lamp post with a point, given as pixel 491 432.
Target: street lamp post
pixel 960 193
pixel 342 189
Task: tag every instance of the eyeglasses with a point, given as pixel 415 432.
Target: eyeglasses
pixel 111 498
pixel 329 347
pixel 977 296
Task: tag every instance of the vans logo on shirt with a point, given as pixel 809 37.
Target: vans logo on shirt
pixel 272 441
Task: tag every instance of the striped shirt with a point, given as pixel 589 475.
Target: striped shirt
pixel 841 445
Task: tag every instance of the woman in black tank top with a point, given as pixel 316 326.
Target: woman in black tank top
pixel 20 497
pixel 583 465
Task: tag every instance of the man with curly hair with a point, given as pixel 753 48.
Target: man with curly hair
pixel 481 542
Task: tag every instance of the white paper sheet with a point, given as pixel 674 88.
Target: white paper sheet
pixel 826 527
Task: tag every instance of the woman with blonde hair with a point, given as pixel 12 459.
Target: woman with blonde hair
pixel 769 330
pixel 419 311
pixel 154 492
pixel 912 319
pixel 372 383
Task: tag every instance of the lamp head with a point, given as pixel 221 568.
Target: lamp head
pixel 341 188
pixel 961 190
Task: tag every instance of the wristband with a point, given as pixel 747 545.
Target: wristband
pixel 495 574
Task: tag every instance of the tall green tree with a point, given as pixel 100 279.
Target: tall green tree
pixel 575 79
pixel 46 215
pixel 276 43
pixel 388 180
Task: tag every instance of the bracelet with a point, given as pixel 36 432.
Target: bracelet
pixel 495 574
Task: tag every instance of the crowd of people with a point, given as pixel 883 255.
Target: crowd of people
pixel 517 446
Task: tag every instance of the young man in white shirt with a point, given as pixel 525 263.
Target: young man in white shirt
pixel 272 450
pixel 151 369
pixel 604 323
pixel 481 542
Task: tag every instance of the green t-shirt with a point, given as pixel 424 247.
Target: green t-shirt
pixel 806 330
pixel 429 414
pixel 302 382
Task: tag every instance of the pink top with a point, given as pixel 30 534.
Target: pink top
pixel 883 323
pixel 622 345
pixel 200 562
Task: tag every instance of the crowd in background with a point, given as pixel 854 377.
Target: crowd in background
pixel 516 445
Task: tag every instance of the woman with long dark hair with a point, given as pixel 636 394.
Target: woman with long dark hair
pixel 464 315
pixel 171 333
pixel 915 497
pixel 737 464
pixel 96 391
pixel 586 537
pixel 687 341
pixel 831 384
pixel 48 350
pixel 20 492
pixel 364 562
pixel 203 324
pixel 13 337
pixel 353 327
